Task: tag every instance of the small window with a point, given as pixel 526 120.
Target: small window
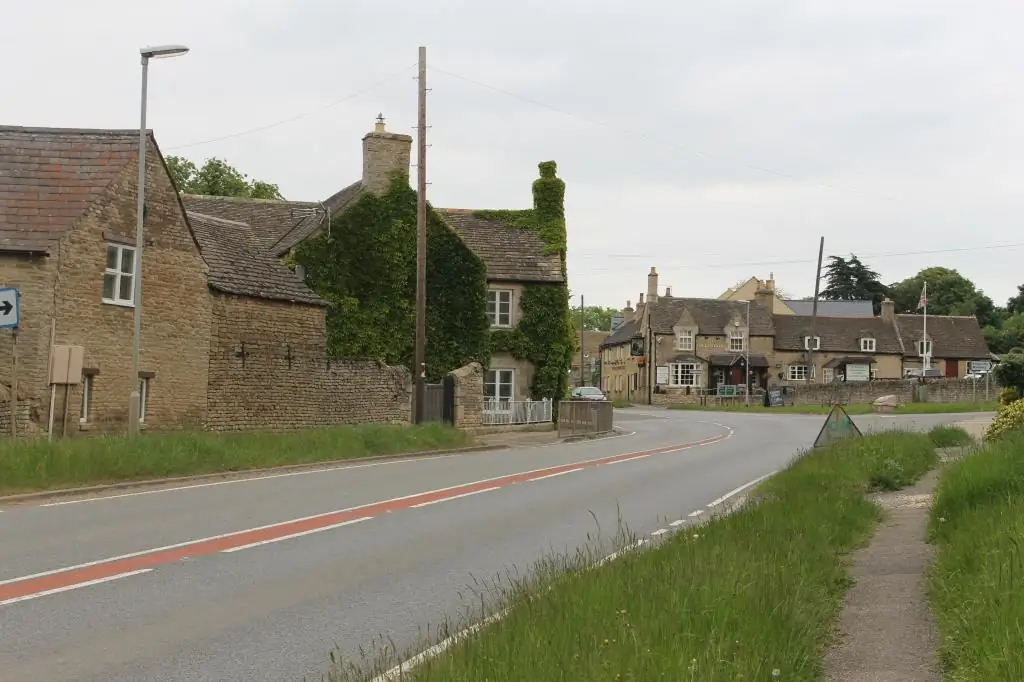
pixel 143 399
pixel 499 307
pixel 867 345
pixel 737 341
pixel 828 375
pixel 924 347
pixel 633 381
pixel 683 374
pixel 119 275
pixel 83 417
pixel 817 343
pixel 798 372
pixel 685 340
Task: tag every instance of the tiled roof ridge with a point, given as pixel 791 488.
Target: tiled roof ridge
pixel 112 132
pixel 215 219
pixel 248 199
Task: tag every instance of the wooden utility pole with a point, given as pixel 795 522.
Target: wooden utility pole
pixel 582 313
pixel 814 315
pixel 419 365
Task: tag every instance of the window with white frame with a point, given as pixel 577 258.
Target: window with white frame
pixel 83 417
pixel 499 307
pixel 924 347
pixel 634 381
pixel 618 383
pixel 828 375
pixel 684 340
pixel 867 345
pixel 499 386
pixel 143 398
pixel 817 343
pixel 682 374
pixel 798 373
pixel 119 275
pixel 874 372
pixel 737 340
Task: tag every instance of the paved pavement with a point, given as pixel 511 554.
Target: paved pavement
pixel 257 579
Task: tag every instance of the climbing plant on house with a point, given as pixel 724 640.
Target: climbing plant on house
pixel 366 269
pixel 544 335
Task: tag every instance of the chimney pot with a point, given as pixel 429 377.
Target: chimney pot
pixel 668 292
pixel 652 285
pixel 384 154
pixel 888 310
pixel 641 300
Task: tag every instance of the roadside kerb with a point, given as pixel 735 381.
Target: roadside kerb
pixel 727 504
pixel 239 474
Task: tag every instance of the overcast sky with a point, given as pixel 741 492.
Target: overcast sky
pixel 714 139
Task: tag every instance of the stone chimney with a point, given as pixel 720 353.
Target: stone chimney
pixel 628 308
pixel 668 292
pixel 383 154
pixel 764 297
pixel 770 284
pixel 652 285
pixel 888 310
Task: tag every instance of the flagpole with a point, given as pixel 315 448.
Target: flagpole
pixel 925 348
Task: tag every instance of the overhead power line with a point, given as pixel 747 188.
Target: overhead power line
pixel 268 126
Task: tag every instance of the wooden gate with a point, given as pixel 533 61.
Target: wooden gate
pixel 439 402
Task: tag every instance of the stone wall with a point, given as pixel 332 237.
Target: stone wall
pixel 469 396
pixel 268 369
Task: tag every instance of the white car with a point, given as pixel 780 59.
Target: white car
pixel 588 393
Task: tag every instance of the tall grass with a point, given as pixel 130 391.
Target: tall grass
pixel 30 465
pixel 738 598
pixel 977 580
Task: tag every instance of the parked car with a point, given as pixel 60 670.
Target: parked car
pixel 588 393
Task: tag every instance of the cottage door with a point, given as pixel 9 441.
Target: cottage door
pixel 737 374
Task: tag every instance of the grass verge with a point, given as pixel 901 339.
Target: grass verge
pixel 950 437
pixel 737 598
pixel 34 465
pixel 977 580
pixel 907 408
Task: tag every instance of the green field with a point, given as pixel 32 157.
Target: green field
pixel 34 465
pixel 737 598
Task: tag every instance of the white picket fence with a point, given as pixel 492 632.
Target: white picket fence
pixel 497 411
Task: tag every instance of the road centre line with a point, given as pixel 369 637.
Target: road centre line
pixel 456 497
pixel 296 535
pixel 68 588
pixel 102 569
pixel 559 473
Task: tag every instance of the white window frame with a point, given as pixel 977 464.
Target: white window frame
pixel 874 373
pixel 83 417
pixel 924 348
pixel 817 343
pixel 828 375
pixel 143 398
pixel 497 295
pixel 737 335
pixel 117 275
pixel 796 370
pixel 684 340
pixel 504 404
pixel 679 377
pixel 868 345
pixel 634 381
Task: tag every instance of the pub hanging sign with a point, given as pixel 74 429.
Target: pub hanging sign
pixel 637 346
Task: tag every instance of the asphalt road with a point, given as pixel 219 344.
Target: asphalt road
pixel 259 578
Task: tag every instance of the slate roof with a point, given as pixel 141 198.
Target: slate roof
pixel 271 220
pixel 510 253
pixel 712 315
pixel 238 264
pixel 621 335
pixel 838 334
pixel 50 176
pixel 832 308
pixel 952 336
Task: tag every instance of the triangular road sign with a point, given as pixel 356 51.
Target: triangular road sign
pixel 837 426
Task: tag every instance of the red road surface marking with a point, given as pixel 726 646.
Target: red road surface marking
pixel 40 584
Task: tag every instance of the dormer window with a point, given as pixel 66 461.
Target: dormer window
pixel 867 345
pixel 817 343
pixel 684 340
pixel 924 348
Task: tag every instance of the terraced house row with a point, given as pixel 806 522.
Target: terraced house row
pixel 697 346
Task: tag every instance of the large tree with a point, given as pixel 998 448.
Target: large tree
pixel 848 279
pixel 1007 336
pixel 595 318
pixel 1016 304
pixel 949 293
pixel 217 178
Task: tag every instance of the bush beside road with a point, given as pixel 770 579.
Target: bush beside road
pixel 750 595
pixel 38 465
pixel 977 522
pixel 906 408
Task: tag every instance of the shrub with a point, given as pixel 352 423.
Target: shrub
pixel 949 437
pixel 1010 418
pixel 1008 395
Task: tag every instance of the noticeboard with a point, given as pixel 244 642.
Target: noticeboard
pixel 775 398
pixel 838 426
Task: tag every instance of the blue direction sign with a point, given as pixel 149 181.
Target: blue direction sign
pixel 10 311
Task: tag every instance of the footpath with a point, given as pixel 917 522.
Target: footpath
pixel 887 632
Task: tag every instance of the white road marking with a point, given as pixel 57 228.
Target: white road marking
pixel 737 491
pixel 631 459
pixel 660 531
pixel 678 522
pixel 68 588
pixel 557 473
pixel 695 513
pixel 455 497
pixel 296 535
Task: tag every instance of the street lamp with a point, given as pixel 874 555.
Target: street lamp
pixel 134 402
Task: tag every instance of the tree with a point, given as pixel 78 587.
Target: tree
pixel 848 279
pixel 1016 304
pixel 217 178
pixel 1006 337
pixel 949 293
pixel 1010 372
pixel 595 318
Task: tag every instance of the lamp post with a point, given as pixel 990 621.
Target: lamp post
pixel 134 402
pixel 746 359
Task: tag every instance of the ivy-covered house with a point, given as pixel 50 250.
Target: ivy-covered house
pixel 496 285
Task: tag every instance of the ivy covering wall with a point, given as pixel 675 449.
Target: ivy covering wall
pixel 544 335
pixel 366 269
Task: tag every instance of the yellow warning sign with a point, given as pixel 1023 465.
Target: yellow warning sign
pixel 837 426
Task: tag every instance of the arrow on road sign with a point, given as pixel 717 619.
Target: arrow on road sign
pixel 6 308
pixel 10 314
